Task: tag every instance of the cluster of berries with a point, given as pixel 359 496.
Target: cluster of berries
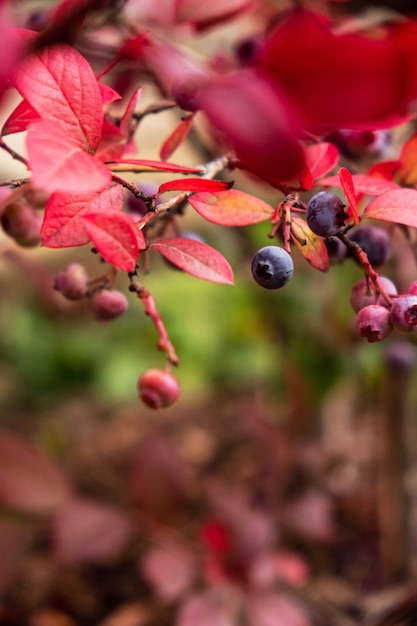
pixel 157 388
pixel 374 298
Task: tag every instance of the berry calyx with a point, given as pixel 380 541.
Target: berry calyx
pixel 325 214
pixel 272 267
pixel 374 323
pixel 404 312
pixel 108 304
pixel 158 388
pixel 72 282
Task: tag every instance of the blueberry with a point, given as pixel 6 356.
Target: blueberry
pixel 375 242
pixel 325 214
pixel 272 267
pixel 363 293
pixel 404 312
pixel 374 323
pixel 107 304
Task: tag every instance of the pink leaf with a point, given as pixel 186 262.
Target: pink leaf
pixel 146 165
pixel 398 206
pixel 321 158
pixel 126 121
pixel 29 480
pixel 268 608
pixel 19 120
pixel 170 569
pixel 176 138
pixel 196 258
pixel 59 164
pixel 63 227
pixel 206 609
pixel 194 184
pixel 346 182
pixel 231 208
pixel 86 530
pixel 108 94
pixel 116 237
pixel 60 85
pixel 363 183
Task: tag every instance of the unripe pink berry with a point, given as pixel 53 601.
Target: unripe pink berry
pixel 21 222
pixel 186 91
pixel 413 288
pixel 363 293
pixel 404 312
pixel 158 388
pixel 72 282
pixel 373 322
pixel 107 304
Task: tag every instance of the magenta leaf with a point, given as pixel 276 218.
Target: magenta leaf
pixel 116 237
pixel 62 165
pixel 176 138
pixel 170 569
pixel 194 184
pixel 89 531
pixel 231 208
pixel 63 225
pixel 321 158
pixel 265 608
pixel 206 609
pixel 19 119
pixel 196 258
pixel 60 85
pixel 363 183
pixel 29 481
pixel 398 206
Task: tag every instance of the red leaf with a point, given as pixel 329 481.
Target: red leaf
pixel 89 531
pixel 116 237
pixel 398 206
pixel 196 258
pixel 269 607
pixel 206 14
pixel 231 208
pixel 146 165
pixel 126 121
pixel 60 85
pixel 321 158
pixel 310 245
pixel 108 94
pixel 19 120
pixel 363 183
pixel 170 569
pixel 346 182
pixel 408 160
pixel 194 184
pixel 62 225
pixel 206 609
pixel 176 138
pixel 59 164
pixel 29 481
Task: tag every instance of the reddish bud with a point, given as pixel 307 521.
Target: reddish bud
pixel 73 282
pixel 107 304
pixel 158 388
pixel 21 222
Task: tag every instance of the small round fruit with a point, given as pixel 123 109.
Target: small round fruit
pixel 404 312
pixel 325 214
pixel 363 293
pixel 272 267
pixel 186 91
pixel 336 249
pixel 21 222
pixel 374 323
pixel 413 288
pixel 375 242
pixel 72 282
pixel 107 304
pixel 158 388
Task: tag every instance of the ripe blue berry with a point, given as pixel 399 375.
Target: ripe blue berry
pixel 272 267
pixel 363 293
pixel 325 214
pixel 158 388
pixel 404 312
pixel 374 323
pixel 375 242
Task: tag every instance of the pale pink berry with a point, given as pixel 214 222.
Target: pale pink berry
pixel 158 388
pixel 373 323
pixel 107 304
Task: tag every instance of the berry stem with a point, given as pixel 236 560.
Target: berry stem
pixel 149 304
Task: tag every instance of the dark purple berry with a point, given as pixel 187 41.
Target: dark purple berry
pixel 158 388
pixel 272 267
pixel 375 242
pixel 186 90
pixel 325 214
pixel 401 356
pixel 374 323
pixel 249 50
pixel 72 282
pixel 107 304
pixel 336 249
pixel 137 207
pixel 363 293
pixel 21 222
pixel 404 312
